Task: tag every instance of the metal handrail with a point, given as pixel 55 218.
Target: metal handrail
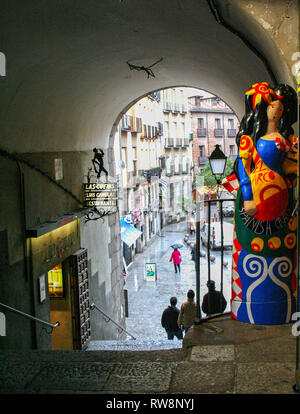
pixel 92 306
pixel 29 316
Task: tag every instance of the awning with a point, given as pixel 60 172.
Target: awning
pixel 129 234
pixel 163 182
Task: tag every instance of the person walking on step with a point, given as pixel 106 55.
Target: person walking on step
pixel 169 320
pixel 188 312
pixel 175 257
pixel 213 300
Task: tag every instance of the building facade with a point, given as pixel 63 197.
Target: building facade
pixel 138 152
pixel 153 155
pixel 177 152
pixel 212 123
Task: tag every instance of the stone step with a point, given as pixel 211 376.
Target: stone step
pixel 134 345
pixel 214 369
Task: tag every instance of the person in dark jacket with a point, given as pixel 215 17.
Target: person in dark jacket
pixel 169 320
pixel 213 300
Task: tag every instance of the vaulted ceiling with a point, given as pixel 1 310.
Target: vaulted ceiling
pixel 67 80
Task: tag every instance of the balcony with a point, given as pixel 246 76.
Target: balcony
pixel 162 162
pixel 155 96
pixel 176 108
pixel 167 107
pixel 177 169
pixel 135 124
pixel 219 132
pixel 169 142
pixel 160 129
pixel 178 142
pixel 186 142
pixel 125 123
pixel 202 160
pixel 183 109
pixel 201 132
pixel 185 169
pixel 170 171
pixel 231 133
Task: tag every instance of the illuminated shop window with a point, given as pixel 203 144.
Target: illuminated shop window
pixel 55 282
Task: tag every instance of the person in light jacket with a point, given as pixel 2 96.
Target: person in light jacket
pixel 188 312
pixel 175 257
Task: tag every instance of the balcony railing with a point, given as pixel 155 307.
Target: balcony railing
pixel 170 170
pixel 206 236
pixel 201 132
pixel 176 108
pixel 177 169
pixel 183 109
pixel 186 142
pixel 136 124
pixel 125 123
pixel 160 129
pixel 219 132
pixel 231 132
pixel 167 107
pixel 185 169
pixel 169 142
pixel 178 142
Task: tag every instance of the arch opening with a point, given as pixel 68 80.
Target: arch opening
pixel 161 143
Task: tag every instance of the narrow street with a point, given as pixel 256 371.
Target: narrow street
pixel 148 299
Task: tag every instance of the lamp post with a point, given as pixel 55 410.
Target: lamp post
pixel 217 162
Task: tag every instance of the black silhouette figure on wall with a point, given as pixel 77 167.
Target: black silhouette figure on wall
pixel 98 162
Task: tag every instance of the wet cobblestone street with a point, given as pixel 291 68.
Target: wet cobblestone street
pixel 148 299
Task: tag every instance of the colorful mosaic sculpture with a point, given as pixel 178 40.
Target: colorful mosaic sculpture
pixel 264 248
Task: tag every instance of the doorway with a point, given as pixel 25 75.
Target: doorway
pixel 61 306
pixel 68 285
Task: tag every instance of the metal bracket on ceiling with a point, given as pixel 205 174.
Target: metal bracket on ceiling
pixel 147 69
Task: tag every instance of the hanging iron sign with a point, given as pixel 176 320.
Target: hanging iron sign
pixel 101 197
pixel 100 194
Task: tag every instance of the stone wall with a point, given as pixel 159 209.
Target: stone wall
pixel 280 20
pixel 40 201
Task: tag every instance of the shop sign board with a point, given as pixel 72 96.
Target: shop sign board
pixel 100 194
pixel 53 247
pixel 150 271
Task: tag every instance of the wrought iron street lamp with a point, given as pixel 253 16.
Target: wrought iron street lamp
pixel 217 162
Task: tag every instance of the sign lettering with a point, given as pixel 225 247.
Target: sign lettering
pixel 100 194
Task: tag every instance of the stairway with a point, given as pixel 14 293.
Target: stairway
pixel 243 359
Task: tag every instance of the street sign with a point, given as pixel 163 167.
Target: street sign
pixel 100 194
pixel 150 271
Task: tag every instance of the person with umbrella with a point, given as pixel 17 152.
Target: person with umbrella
pixel 175 257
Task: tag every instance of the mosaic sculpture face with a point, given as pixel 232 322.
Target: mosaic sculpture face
pixel 264 253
